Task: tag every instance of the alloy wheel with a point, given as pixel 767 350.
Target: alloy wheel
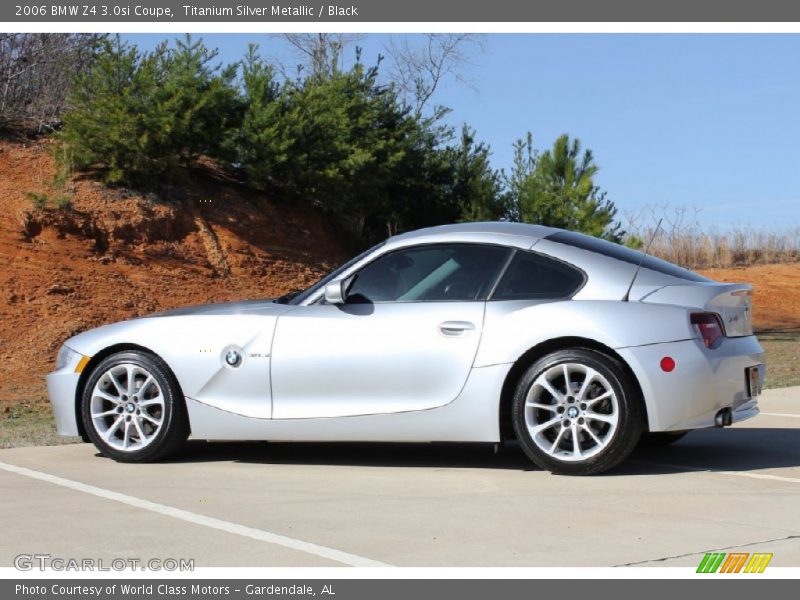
pixel 571 412
pixel 127 407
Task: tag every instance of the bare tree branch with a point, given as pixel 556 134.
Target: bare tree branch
pixel 319 54
pixel 419 70
pixel 36 70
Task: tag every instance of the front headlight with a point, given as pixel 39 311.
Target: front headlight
pixel 65 356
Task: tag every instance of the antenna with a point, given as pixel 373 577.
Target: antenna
pixel 627 296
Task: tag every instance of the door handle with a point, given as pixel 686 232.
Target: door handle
pixel 455 327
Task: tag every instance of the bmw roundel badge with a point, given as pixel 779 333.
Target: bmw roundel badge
pixel 233 358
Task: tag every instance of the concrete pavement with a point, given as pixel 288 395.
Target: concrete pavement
pixel 259 504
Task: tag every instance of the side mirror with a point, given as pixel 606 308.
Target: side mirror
pixel 336 291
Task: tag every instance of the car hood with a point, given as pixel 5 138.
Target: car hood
pixel 235 322
pixel 243 307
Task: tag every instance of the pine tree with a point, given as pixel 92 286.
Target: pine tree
pixel 476 186
pixel 139 116
pixel 557 189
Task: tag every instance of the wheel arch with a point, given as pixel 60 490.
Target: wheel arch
pixel 542 349
pixel 97 359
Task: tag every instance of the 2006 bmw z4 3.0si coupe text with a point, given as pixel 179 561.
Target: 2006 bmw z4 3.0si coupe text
pixel 482 332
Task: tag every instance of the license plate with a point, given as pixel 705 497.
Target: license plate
pixel 753 381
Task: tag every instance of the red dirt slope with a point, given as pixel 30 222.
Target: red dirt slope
pixel 776 293
pixel 119 254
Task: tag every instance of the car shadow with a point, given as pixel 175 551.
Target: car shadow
pixel 358 454
pixel 737 449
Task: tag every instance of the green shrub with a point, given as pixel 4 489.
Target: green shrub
pixel 340 140
pixel 64 165
pixel 63 202
pixel 39 200
pixel 138 116
pixel 557 188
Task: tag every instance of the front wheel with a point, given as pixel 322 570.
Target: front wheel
pixel 132 408
pixel 577 412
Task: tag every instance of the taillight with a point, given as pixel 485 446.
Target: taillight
pixel 710 328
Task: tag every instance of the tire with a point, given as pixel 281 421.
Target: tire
pixel 132 408
pixel 605 414
pixel 660 439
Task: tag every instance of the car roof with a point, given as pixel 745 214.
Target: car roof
pixel 526 230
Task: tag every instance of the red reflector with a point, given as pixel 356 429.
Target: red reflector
pixel 667 364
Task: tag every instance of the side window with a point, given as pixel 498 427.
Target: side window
pixel 435 273
pixel 533 277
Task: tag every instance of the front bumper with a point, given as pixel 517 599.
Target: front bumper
pixel 703 382
pixel 62 385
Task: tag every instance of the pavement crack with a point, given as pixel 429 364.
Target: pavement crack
pixel 684 555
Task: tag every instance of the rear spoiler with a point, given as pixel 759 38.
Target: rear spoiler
pixel 731 301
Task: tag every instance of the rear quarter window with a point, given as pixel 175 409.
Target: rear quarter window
pixel 531 276
pixel 618 252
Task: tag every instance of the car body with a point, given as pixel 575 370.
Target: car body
pixel 428 337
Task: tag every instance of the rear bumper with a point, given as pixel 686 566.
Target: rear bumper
pixel 61 387
pixel 703 382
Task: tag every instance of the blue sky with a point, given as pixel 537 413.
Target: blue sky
pixel 705 121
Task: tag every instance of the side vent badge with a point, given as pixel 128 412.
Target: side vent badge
pixel 233 357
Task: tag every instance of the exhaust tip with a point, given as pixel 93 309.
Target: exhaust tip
pixel 723 418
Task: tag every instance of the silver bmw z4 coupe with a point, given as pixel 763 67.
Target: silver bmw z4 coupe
pixel 576 347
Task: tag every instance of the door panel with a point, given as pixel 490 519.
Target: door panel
pixel 359 359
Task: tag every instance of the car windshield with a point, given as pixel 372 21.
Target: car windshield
pixel 298 297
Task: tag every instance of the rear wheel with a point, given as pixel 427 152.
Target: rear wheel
pixel 132 408
pixel 577 412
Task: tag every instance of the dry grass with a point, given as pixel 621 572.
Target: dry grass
pixel 683 241
pixel 735 248
pixel 24 425
pixel 782 351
